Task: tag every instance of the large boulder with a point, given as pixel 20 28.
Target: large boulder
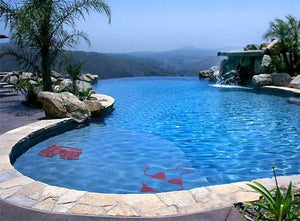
pixel 295 83
pixel 281 79
pixel 262 80
pixel 265 64
pixel 83 86
pixel 65 104
pixel 56 74
pixel 13 79
pixel 94 106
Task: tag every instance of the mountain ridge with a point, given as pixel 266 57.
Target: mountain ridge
pixel 186 61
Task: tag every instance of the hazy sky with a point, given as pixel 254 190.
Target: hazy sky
pixel 157 25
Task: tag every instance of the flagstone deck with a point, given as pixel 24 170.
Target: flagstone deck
pixel 21 190
pixel 285 89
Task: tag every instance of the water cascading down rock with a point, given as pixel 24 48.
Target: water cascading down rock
pixel 240 66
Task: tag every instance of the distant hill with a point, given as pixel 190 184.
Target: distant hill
pixel 107 66
pixel 186 61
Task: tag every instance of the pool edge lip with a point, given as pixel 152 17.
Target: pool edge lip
pixel 24 191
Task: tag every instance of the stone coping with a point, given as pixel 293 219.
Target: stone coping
pixel 250 53
pixel 21 190
pixel 106 101
pixel 286 89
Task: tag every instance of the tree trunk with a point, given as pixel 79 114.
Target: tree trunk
pixel 46 70
pixel 292 62
pixel 297 63
pixel 286 62
pixel 45 38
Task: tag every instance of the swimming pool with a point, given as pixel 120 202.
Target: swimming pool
pixel 171 133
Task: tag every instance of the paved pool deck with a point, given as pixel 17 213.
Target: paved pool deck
pixel 14 114
pixel 22 198
pixel 294 91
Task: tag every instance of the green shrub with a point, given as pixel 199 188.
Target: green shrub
pixel 86 95
pixel 30 92
pixel 275 204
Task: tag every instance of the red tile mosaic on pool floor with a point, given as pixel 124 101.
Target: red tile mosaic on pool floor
pixel 162 176
pixel 66 153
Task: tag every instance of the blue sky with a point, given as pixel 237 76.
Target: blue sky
pixel 158 25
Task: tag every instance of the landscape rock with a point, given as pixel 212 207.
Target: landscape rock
pixel 66 84
pixel 262 80
pixel 56 74
pixel 16 73
pixel 83 86
pixel 281 79
pixel 5 76
pixel 93 77
pixel 211 74
pixel 94 106
pixel 251 47
pixel 26 75
pixel 204 74
pixel 13 79
pixel 32 82
pixel 294 100
pixel 90 78
pixel 53 80
pixel 265 64
pixel 295 83
pixel 65 104
pixel 85 78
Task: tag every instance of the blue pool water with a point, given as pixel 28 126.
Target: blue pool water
pixel 219 135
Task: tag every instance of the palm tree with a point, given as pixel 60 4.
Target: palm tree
pixel 40 30
pixel 288 33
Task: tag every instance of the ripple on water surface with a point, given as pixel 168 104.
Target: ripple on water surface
pixel 218 135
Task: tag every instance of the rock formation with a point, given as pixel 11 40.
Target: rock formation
pixel 295 83
pixel 262 80
pixel 281 79
pixel 64 104
pixel 94 106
